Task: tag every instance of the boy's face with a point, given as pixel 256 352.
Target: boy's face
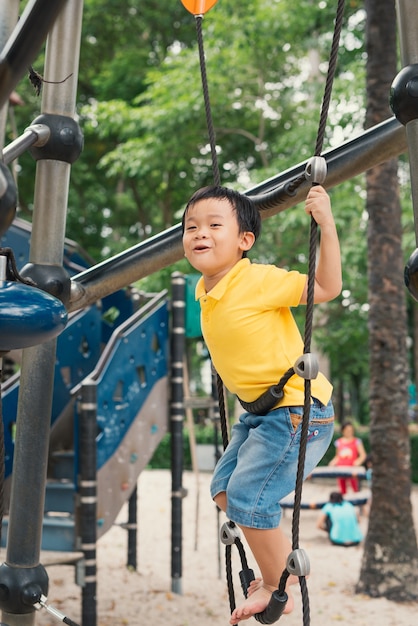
pixel 212 241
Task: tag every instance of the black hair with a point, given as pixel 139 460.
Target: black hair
pixel 336 497
pixel 248 217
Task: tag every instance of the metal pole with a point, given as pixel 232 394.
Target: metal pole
pixel 374 146
pixel 407 15
pixel 3 273
pixel 176 419
pixel 30 460
pixel 88 498
pixel 47 245
pixel 50 204
pixel 132 529
pixel 9 13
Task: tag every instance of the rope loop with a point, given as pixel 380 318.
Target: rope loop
pixel 12 273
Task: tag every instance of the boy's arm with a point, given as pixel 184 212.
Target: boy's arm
pixel 328 278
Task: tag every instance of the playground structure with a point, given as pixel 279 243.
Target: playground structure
pixel 52 387
pixel 129 372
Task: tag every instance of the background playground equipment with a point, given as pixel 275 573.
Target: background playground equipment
pixel 61 21
pixel 131 379
pixel 120 349
pixel 359 498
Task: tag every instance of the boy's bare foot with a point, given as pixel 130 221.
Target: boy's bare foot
pixel 256 602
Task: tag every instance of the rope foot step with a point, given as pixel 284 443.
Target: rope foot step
pixel 298 565
pixel 246 577
pixel 274 609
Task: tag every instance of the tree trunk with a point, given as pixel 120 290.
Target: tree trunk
pixel 415 356
pixel 390 560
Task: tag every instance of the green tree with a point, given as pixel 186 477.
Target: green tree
pixel 141 110
pixel 151 149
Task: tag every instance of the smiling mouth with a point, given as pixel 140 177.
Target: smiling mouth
pixel 200 248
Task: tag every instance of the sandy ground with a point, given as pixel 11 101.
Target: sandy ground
pixel 145 597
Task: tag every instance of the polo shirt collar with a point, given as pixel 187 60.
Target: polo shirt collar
pixel 219 289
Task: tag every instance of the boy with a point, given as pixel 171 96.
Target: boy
pixel 253 339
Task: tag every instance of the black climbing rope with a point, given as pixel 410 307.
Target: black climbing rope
pixel 11 271
pixel 208 110
pixel 296 559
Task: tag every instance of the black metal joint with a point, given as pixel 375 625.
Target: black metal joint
pixel 65 142
pixel 21 588
pixel 53 279
pixel 404 94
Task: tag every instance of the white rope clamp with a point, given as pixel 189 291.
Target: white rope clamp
pixel 307 366
pixel 316 170
pixel 229 534
pixel 298 563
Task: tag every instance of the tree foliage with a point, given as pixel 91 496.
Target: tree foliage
pixel 141 109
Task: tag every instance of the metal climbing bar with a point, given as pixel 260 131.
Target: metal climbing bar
pixel 378 144
pixel 34 135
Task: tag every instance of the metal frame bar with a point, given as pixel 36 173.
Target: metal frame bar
pixel 380 143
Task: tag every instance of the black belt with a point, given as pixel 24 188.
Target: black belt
pixel 306 367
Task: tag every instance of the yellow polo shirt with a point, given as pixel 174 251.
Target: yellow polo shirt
pixel 251 334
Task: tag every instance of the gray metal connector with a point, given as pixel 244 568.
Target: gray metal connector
pixel 298 563
pixel 316 170
pixel 228 534
pixel 307 366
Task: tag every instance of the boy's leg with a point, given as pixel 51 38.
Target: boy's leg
pixel 270 548
pixel 265 473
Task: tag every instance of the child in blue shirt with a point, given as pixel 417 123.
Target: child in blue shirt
pixel 339 518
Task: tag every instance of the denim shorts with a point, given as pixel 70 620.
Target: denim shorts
pixel 259 465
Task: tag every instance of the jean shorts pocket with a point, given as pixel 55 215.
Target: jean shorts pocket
pixel 296 419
